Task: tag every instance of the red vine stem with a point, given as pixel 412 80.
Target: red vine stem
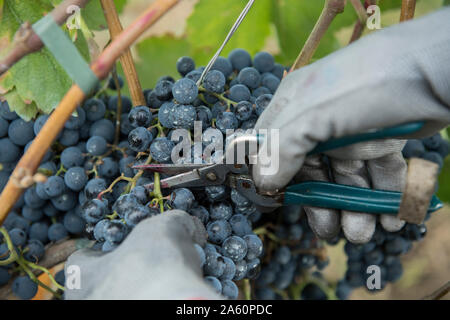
pixel 129 69
pixel 361 23
pixel 101 67
pixel 331 9
pixel 26 41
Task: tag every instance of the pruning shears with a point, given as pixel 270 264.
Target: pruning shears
pixel 309 193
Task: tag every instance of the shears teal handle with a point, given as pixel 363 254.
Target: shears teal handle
pixel 338 196
pixel 391 132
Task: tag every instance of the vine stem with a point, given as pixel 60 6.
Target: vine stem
pixel 32 158
pixel 331 9
pixel 408 10
pixel 360 24
pixel 26 41
pixel 439 293
pixel 129 69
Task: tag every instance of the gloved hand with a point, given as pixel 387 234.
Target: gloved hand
pixel 156 261
pixel 390 77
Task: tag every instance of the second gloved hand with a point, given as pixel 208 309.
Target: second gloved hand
pixel 390 77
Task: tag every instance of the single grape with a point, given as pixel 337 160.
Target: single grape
pixel 13 151
pixel 229 271
pixel 24 288
pixel 227 121
pixel 243 110
pixel 39 231
pixel 140 116
pixel 185 91
pixel 239 93
pixel 249 77
pixel 94 210
pixel 76 121
pixel 21 131
pixel 5 112
pixel 262 102
pixel 65 201
pixel 223 65
pixel 35 251
pixel 220 210
pixel 115 232
pixel 185 65
pixel 214 283
pixel 112 82
pixel 235 248
pixel 163 90
pixel 54 186
pixel 153 101
pixel 96 146
pixel 271 82
pixel 201 213
pixel 214 81
pixel 229 289
pixel 113 103
pixel 182 199
pixel 413 148
pixel 218 231
pixel 240 59
pixel 214 265
pixel 135 214
pixel 57 231
pixel 69 137
pixel 18 237
pixel 75 178
pixel 104 128
pixel 73 223
pixel 3 127
pixel 264 62
pixel 161 149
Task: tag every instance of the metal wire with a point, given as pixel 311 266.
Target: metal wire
pixel 230 34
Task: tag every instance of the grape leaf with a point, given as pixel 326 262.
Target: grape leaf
pixel 93 15
pixel 158 57
pixel 443 192
pixel 36 78
pixel 27 111
pixel 295 20
pixel 389 4
pixel 211 21
pixel 1 8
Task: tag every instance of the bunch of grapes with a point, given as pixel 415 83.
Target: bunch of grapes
pixel 92 189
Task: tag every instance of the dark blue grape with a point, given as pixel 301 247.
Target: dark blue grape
pixel 112 82
pixel 5 112
pixel 214 81
pixel 229 289
pixel 18 237
pixel 115 231
pixel 135 214
pixel 39 231
pixel 153 101
pixel 32 199
pixel 54 186
pixel 194 75
pixel 161 149
pixel 31 214
pixel 240 59
pixel 413 148
pixel 229 271
pixel 3 127
pixel 313 292
pixel 5 276
pixel 239 93
pixel 99 229
pixel 433 142
pixel 271 82
pixel 218 231
pixel 240 225
pixel 434 157
pixel 201 213
pixel 60 278
pixel 95 109
pixel 69 137
pixel 214 265
pixel 109 168
pixel 183 116
pixel 243 110
pixel 94 210
pixel 109 246
pixel 214 283
pixel 278 71
pixel 185 91
pixel 123 202
pixel 223 65
pixel 254 246
pixel 226 121
pixel 185 65
pixel 253 268
pixel 73 223
pixel 264 62
pixel 13 151
pixel 77 121
pixel 75 178
pixel 125 167
pixel 181 199
pixel 140 116
pixel 21 132
pixel 163 90
pixel 113 103
pixel 35 251
pixel 201 254
pixel 96 146
pixel 24 288
pixel 220 211
pixel 66 201
pixel 249 77
pixel 235 248
pixel 56 232
pixel 103 128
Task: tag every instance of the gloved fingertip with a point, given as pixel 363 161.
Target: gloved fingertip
pixel 358 227
pixel 391 223
pixel 323 222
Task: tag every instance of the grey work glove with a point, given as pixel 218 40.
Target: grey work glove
pixel 156 261
pixel 393 76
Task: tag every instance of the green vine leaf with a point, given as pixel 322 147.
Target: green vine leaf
pixel 206 30
pixel 443 192
pixel 37 79
pixel 295 20
pixel 27 111
pixel 158 57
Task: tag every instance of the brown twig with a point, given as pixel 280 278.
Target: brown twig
pixel 54 254
pixel 439 293
pixel 101 67
pixel 360 24
pixel 115 28
pixel 26 41
pixel 331 9
pixel 119 106
pixel 408 9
